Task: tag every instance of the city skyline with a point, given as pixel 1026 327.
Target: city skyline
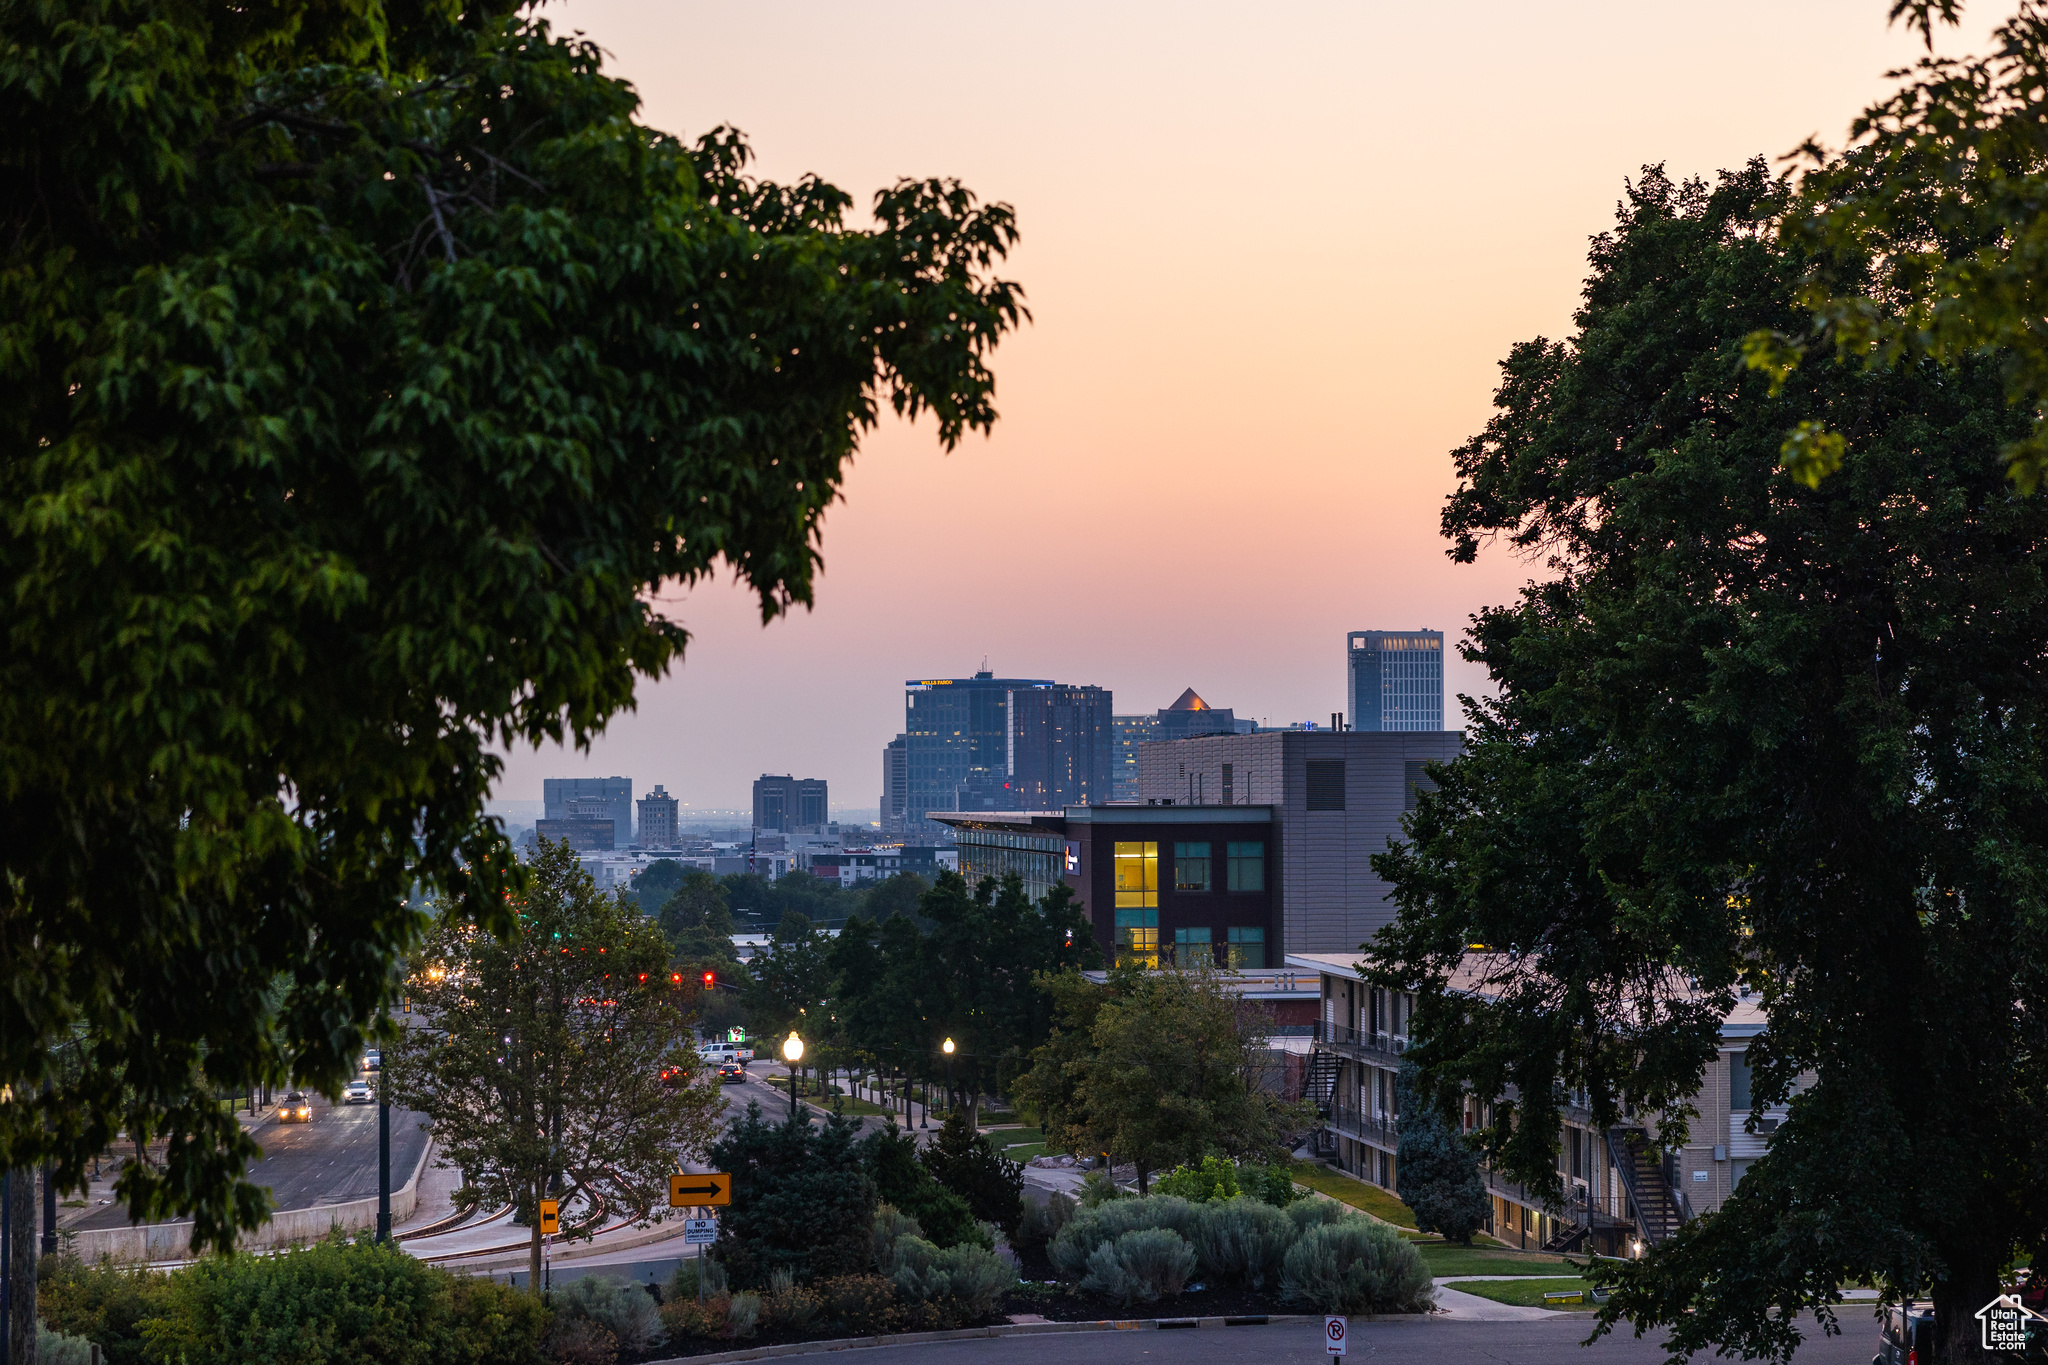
pixel 1273 441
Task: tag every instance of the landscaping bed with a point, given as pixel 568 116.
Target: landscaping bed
pixel 1529 1292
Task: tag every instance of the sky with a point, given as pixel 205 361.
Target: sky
pixel 1273 254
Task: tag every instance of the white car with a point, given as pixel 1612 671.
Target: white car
pixel 373 1060
pixel 357 1092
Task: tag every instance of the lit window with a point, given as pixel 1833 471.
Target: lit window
pixel 1247 947
pixel 1247 869
pixel 1137 876
pixel 1191 867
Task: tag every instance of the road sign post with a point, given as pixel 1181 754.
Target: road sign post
pixel 1333 1335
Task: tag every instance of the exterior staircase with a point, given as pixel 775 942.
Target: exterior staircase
pixel 1657 1211
pixel 1321 1083
pixel 1567 1237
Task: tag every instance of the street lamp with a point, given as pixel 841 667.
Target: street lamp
pixel 947 1048
pixel 792 1052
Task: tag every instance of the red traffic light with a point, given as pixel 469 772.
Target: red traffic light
pixel 675 978
pixel 710 980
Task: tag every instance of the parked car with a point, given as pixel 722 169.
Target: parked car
pixel 731 1072
pixel 1906 1336
pixel 357 1092
pixel 297 1108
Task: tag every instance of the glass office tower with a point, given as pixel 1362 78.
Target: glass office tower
pixel 988 744
pixel 1396 679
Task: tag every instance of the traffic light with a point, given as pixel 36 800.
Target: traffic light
pixel 710 980
pixel 675 978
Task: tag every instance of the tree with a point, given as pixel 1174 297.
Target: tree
pixel 1168 1077
pixel 905 1182
pixel 1436 1173
pixel 653 887
pixel 1925 238
pixel 788 983
pixel 897 895
pixel 802 1198
pixel 359 386
pixel 555 1063
pixel 1059 1065
pixel 696 921
pixel 1750 735
pixel 968 1164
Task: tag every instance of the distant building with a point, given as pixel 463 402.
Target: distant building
pixel 989 743
pixel 1190 716
pixel 613 798
pixel 1130 732
pixel 1395 679
pixel 1337 797
pixel 582 833
pixel 895 784
pixel 658 820
pixel 788 804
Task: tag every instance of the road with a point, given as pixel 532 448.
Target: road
pixel 1554 1341
pixel 331 1160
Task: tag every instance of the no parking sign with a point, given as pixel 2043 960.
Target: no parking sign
pixel 1333 1335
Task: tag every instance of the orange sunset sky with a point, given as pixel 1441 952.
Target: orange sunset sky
pixel 1274 253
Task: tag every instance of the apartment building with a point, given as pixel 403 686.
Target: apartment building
pixel 1623 1193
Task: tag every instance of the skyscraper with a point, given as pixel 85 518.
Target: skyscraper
pixel 895 784
pixel 989 743
pixel 787 803
pixel 1131 731
pixel 1396 679
pixel 659 819
pixel 615 794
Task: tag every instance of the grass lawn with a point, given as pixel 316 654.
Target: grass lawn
pixel 1528 1293
pixel 1359 1195
pixel 1018 1144
pixel 1448 1258
pixel 857 1107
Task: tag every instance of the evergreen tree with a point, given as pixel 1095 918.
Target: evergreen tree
pixel 890 1158
pixel 1436 1172
pixel 803 1199
pixel 968 1164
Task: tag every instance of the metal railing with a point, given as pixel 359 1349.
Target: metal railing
pixel 1383 1048
pixel 1352 1122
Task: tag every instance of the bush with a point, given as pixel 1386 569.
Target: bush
pixel 890 1224
pixel 1243 1241
pixel 1146 1264
pixel 103 1303
pixel 1042 1222
pixel 1355 1266
pixel 55 1348
pixel 969 1165
pixel 494 1324
pixel 1071 1250
pixel 1315 1213
pixel 686 1319
pixel 1270 1184
pixel 786 1306
pixel 891 1159
pixel 580 1341
pixel 624 1311
pixel 859 1305
pixel 967 1282
pixel 1437 1172
pixel 742 1312
pixel 1215 1178
pixel 802 1198
pixel 1098 1188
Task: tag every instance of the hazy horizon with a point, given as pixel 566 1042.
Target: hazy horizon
pixel 1274 258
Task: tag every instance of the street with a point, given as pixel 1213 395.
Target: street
pixel 331 1160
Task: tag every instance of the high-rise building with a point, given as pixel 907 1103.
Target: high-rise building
pixel 989 743
pixel 895 784
pixel 595 796
pixel 1131 731
pixel 1190 716
pixel 659 819
pixel 1396 679
pixel 788 804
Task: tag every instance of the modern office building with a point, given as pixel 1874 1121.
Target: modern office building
pixel 1190 716
pixel 1337 797
pixel 585 834
pixel 1160 884
pixel 989 743
pixel 1395 679
pixel 895 784
pixel 660 822
pixel 787 804
pixel 1130 732
pixel 610 796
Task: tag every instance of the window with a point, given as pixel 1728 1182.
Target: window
pixel 1229 786
pixel 1247 947
pixel 1326 784
pixel 1137 876
pixel 1194 947
pixel 1419 781
pixel 1247 871
pixel 1191 867
pixel 1738 1081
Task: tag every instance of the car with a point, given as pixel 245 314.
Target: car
pixel 673 1076
pixel 296 1108
pixel 1905 1336
pixel 731 1072
pixel 373 1060
pixel 357 1092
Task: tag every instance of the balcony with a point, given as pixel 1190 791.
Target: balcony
pixel 1377 1048
pixel 1350 1121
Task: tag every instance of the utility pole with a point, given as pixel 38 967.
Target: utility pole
pixel 383 1164
pixel 49 1247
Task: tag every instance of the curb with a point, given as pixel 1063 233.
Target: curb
pixel 1009 1329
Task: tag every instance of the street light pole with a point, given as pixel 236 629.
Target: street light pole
pixel 383 1165
pixel 951 1103
pixel 792 1053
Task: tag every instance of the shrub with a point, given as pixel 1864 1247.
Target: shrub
pixel 1146 1264
pixel 969 1165
pixel 786 1306
pixel 1072 1249
pixel 1437 1172
pixel 1315 1212
pixel 967 1281
pixel 494 1324
pixel 743 1311
pixel 890 1224
pixel 102 1302
pixel 687 1319
pixel 580 1341
pixel 891 1160
pixel 55 1348
pixel 1098 1188
pixel 1215 1178
pixel 1042 1222
pixel 1243 1241
pixel 1270 1184
pixel 859 1305
pixel 625 1311
pixel 1355 1266
pixel 802 1198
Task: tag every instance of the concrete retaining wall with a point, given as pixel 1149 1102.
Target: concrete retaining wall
pixel 173 1241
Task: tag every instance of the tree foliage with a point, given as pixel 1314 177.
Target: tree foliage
pixel 1750 735
pixel 364 370
pixel 1436 1173
pixel 803 1199
pixel 968 1164
pixel 555 1063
